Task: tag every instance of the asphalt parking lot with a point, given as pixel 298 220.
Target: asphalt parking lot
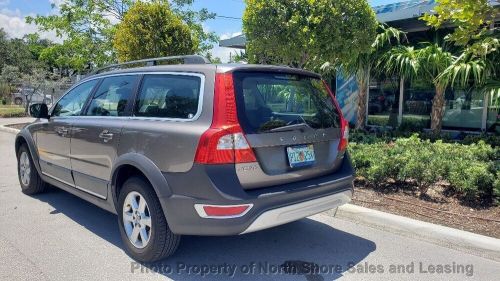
pixel 57 236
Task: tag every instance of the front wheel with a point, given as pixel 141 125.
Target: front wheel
pixel 29 179
pixel 143 227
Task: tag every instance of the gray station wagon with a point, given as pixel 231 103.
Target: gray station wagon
pixel 191 148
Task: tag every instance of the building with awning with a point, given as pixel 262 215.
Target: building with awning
pixel 410 102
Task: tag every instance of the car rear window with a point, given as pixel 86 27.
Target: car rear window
pixel 275 101
pixel 168 96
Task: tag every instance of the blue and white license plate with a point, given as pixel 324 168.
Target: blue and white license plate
pixel 301 155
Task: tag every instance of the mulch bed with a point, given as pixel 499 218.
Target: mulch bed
pixel 439 206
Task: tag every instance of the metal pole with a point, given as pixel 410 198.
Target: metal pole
pixel 401 94
pixel 485 111
pixel 367 99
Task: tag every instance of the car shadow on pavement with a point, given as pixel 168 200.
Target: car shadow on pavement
pixel 303 250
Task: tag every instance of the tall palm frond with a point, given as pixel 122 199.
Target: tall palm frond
pixel 477 65
pixel 433 60
pixel 464 71
pixel 402 61
pixel 386 38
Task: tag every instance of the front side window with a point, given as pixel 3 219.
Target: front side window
pixel 112 96
pixel 168 96
pixel 72 103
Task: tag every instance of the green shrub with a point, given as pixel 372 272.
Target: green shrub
pixel 491 139
pixel 496 188
pixel 12 112
pixel 472 179
pixel 470 169
pixel 414 124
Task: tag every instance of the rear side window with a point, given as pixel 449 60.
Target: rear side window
pixel 112 96
pixel 272 101
pixel 168 96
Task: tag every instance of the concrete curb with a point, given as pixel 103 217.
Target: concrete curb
pixel 454 238
pixel 6 129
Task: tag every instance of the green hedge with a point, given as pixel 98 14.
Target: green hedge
pixel 471 170
pixel 387 135
pixel 12 111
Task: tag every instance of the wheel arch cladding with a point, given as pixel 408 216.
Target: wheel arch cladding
pixel 130 164
pixel 24 137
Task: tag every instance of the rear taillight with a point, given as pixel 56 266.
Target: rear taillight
pixel 344 135
pixel 344 124
pixel 224 142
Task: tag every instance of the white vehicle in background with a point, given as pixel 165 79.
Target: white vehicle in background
pixel 34 96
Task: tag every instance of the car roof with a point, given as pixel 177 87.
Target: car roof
pixel 200 68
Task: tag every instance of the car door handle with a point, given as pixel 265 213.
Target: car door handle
pixel 62 131
pixel 106 135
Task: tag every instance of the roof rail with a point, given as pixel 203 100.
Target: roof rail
pixel 187 59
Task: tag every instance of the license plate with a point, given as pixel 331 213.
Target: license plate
pixel 299 156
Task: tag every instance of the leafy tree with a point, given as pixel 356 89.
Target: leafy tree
pixel 427 64
pixel 364 66
pixel 152 30
pixel 476 65
pixel 4 51
pixel 35 44
pixel 87 30
pixel 10 74
pixel 194 20
pixel 212 59
pixel 471 18
pixel 308 33
pixel 240 56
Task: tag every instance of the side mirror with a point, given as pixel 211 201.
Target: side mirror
pixel 39 110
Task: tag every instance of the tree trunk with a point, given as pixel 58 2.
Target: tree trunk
pixel 362 96
pixel 437 110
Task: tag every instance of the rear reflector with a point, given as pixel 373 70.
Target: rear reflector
pixel 222 211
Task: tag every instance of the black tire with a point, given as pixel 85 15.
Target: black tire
pixel 18 101
pixel 162 242
pixel 35 184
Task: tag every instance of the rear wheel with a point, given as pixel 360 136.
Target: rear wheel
pixel 29 179
pixel 18 101
pixel 143 226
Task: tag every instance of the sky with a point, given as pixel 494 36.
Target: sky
pixel 227 23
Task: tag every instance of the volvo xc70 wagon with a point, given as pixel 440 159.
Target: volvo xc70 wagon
pixel 191 149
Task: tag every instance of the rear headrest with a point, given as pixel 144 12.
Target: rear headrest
pixel 123 92
pixel 181 92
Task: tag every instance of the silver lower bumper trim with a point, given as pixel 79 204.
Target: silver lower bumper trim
pixel 298 211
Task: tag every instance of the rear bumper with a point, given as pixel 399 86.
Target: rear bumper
pixel 272 206
pixel 298 211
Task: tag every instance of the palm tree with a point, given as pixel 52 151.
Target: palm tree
pixel 365 66
pixel 476 66
pixel 426 63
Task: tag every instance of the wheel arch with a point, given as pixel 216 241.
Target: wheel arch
pixel 137 164
pixel 24 137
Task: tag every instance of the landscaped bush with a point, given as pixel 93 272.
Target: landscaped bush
pixel 387 135
pixel 11 111
pixel 469 169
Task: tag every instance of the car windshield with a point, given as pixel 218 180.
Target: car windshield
pixel 270 102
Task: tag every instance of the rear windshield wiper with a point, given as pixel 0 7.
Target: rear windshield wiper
pixel 290 127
